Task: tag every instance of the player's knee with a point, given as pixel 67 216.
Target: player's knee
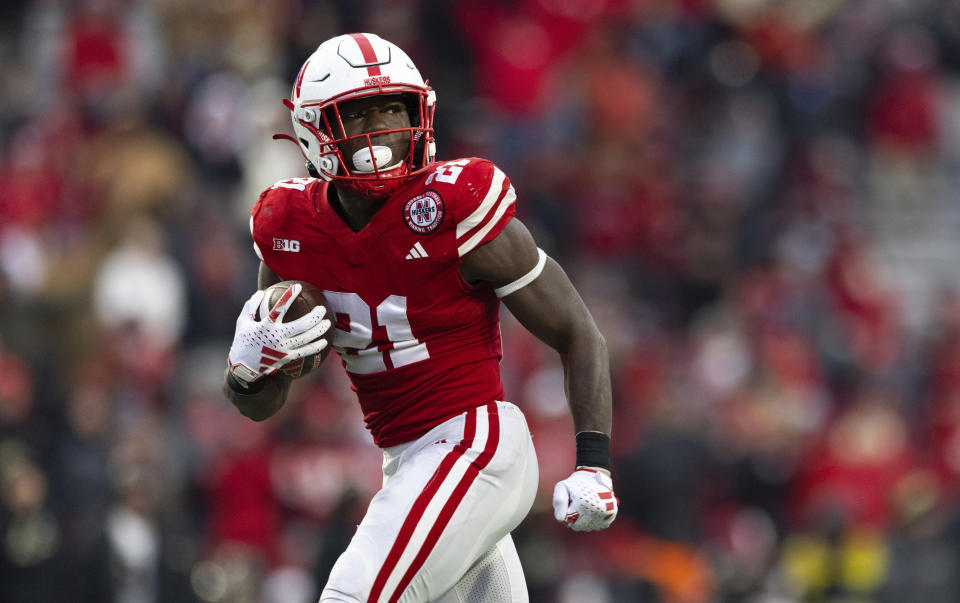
pixel 352 575
pixel 497 576
pixel 341 590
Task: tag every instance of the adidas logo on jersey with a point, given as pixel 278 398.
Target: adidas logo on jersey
pixel 416 252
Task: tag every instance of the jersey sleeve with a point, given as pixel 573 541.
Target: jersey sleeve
pixel 486 203
pixel 262 227
pixel 274 218
pixel 257 225
pixel 256 247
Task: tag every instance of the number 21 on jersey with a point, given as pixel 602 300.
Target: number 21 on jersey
pixel 356 337
pixel 448 172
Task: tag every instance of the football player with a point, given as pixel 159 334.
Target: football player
pixel 414 256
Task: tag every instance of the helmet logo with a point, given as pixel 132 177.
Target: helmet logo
pixel 370 60
pixel 296 93
pixel 377 80
pixel 424 213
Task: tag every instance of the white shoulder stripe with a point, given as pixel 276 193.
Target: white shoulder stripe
pixel 256 248
pixel 493 193
pixel 473 241
pixel 526 279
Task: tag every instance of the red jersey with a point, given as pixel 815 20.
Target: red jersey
pixel 419 343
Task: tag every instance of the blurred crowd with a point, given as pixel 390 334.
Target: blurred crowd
pixel 757 199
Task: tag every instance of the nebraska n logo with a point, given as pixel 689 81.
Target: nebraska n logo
pixel 423 214
pixel 416 252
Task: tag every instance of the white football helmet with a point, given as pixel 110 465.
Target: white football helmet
pixel 349 67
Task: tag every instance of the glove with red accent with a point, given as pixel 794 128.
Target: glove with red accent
pixel 261 347
pixel 585 501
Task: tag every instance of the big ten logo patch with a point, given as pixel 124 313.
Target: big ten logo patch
pixel 424 213
pixel 286 245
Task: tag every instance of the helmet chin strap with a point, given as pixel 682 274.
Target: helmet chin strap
pixel 286 137
pixel 380 189
pixel 327 164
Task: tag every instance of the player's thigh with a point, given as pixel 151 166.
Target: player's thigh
pixel 494 504
pixel 356 569
pixel 449 502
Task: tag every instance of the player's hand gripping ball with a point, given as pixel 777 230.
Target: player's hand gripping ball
pixel 309 298
pixel 281 329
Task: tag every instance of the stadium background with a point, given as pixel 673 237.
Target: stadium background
pixel 757 198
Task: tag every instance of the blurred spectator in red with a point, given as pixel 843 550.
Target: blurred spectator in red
pixel 517 47
pixel 95 51
pixel 903 115
pixel 855 466
pixel 865 307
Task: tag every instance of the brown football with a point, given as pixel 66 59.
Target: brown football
pixel 309 298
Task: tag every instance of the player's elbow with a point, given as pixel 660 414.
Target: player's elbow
pixel 255 411
pixel 597 342
pixel 255 414
pixel 583 335
pixel 601 341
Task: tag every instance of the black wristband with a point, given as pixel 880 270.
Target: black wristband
pixel 249 390
pixel 593 449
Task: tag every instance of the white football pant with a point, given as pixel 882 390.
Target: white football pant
pixel 440 526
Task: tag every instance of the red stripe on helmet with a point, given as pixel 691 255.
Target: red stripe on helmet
pixel 300 79
pixel 369 55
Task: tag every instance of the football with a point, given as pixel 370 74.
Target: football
pixel 309 298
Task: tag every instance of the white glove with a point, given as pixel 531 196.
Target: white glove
pixel 261 347
pixel 585 502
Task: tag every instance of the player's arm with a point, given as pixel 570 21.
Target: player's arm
pixel 540 295
pixel 550 308
pixel 259 395
pixel 264 403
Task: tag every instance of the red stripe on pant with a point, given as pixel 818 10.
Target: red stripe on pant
pixel 493 439
pixel 420 505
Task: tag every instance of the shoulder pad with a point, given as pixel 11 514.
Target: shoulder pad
pixel 277 206
pixel 483 200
